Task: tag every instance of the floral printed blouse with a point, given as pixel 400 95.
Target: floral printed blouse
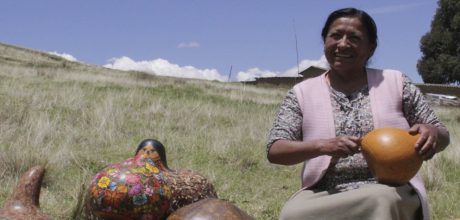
pixel 352 116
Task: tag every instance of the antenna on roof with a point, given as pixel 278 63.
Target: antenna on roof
pixel 296 47
pixel 230 74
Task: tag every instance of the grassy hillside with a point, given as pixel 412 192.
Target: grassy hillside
pixel 76 119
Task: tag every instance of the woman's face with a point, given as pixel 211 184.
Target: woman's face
pixel 347 46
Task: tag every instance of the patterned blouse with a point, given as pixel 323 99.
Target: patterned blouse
pixel 352 116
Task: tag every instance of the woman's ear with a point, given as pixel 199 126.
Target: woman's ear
pixel 374 46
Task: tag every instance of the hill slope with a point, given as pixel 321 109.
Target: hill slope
pixel 77 119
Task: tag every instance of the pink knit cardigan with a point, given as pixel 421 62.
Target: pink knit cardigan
pixel 385 91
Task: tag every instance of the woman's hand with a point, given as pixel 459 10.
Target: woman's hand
pixel 292 152
pixel 427 144
pixel 342 146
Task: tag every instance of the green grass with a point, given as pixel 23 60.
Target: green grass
pixel 77 119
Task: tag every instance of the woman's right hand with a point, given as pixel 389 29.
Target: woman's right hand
pixel 292 152
pixel 342 146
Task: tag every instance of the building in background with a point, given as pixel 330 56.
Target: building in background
pixel 438 94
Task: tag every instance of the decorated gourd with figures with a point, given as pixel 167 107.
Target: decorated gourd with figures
pixel 133 189
pixel 143 187
pixel 391 156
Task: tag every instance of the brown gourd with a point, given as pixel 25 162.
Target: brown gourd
pixel 391 156
pixel 23 203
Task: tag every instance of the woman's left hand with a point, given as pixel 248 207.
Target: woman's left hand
pixel 426 145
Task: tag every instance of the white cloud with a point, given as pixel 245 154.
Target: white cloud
pixel 64 55
pixel 192 44
pixel 253 73
pixel 164 68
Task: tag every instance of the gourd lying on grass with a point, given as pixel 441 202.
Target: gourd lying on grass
pixel 143 187
pixel 23 203
pixel 391 156
pixel 208 209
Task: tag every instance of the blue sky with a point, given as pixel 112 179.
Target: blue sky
pixel 206 38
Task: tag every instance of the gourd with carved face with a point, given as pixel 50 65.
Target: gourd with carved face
pixel 133 189
pixel 143 187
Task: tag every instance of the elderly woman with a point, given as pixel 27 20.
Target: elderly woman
pixel 322 119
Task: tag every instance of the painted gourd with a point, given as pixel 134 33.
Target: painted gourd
pixel 133 189
pixel 391 156
pixel 143 187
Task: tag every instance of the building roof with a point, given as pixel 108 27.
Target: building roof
pixel 312 71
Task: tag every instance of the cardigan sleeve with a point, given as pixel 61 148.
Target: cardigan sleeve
pixel 288 121
pixel 416 109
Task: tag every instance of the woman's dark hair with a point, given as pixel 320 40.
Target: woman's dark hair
pixel 365 18
pixel 158 147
